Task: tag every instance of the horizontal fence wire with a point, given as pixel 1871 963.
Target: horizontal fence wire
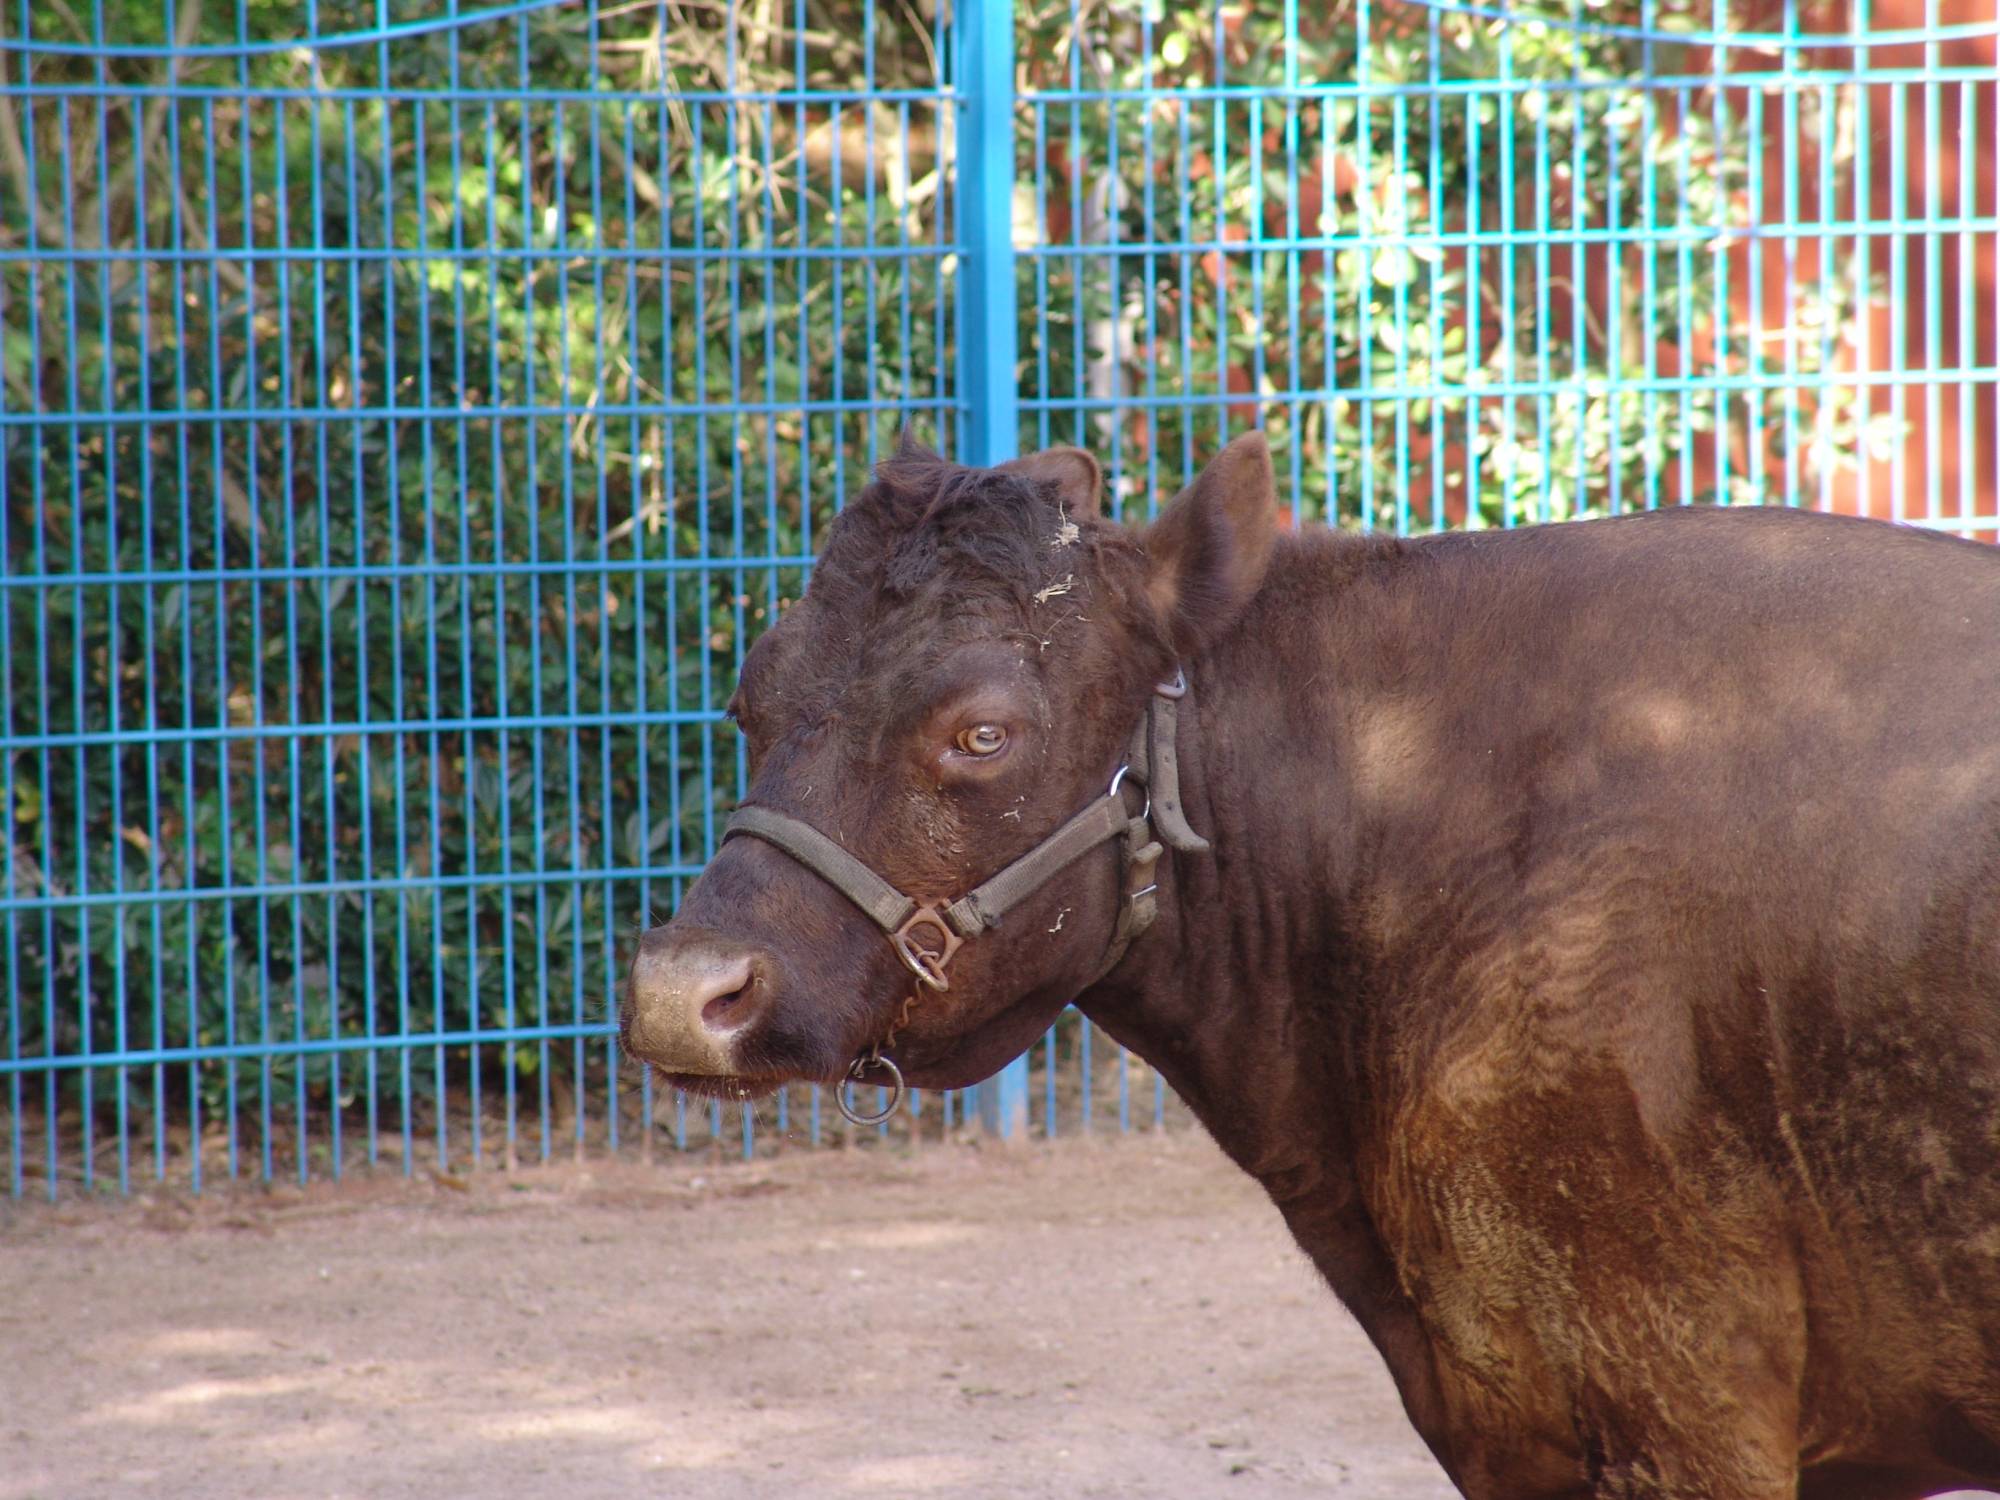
pixel 410 413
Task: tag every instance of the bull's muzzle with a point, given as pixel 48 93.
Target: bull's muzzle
pixel 689 1000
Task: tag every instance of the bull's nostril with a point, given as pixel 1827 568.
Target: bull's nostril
pixel 723 994
pixel 716 1012
pixel 690 1003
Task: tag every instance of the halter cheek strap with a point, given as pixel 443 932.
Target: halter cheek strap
pixel 926 934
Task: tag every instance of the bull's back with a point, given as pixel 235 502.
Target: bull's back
pixel 1730 653
pixel 1796 716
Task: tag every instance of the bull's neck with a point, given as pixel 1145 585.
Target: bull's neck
pixel 1251 992
pixel 1237 994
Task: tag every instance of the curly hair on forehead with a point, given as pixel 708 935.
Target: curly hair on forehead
pixel 924 518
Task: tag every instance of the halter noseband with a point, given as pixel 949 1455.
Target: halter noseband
pixel 926 934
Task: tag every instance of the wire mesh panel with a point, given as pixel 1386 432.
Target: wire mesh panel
pixel 408 417
pixel 1476 265
pixel 410 413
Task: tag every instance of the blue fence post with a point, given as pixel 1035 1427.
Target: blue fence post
pixel 988 327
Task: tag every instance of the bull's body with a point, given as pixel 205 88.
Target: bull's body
pixel 1598 960
pixel 1600 965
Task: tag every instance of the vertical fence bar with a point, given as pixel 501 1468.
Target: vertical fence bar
pixel 11 876
pixel 989 326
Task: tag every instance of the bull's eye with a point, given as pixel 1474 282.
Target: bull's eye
pixel 982 739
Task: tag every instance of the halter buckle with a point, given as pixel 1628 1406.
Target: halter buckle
pixel 925 944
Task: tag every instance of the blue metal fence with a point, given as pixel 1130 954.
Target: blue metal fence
pixel 410 413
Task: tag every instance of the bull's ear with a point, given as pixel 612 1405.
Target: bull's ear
pixel 1073 472
pixel 1208 550
pixel 909 449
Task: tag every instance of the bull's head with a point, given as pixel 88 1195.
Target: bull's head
pixel 962 676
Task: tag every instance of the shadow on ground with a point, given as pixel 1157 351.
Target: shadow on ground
pixel 1120 1319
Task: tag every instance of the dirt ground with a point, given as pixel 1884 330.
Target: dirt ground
pixel 1104 1318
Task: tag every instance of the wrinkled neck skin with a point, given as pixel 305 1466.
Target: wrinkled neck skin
pixel 1245 994
pixel 1237 993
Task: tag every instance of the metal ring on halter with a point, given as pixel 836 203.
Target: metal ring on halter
pixel 925 943
pixel 1145 811
pixel 854 1076
pixel 1175 689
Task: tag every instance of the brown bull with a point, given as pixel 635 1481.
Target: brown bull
pixel 1588 935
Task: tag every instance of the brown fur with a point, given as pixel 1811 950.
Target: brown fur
pixel 1598 960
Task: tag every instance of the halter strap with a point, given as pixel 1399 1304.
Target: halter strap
pixel 1155 761
pixel 887 907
